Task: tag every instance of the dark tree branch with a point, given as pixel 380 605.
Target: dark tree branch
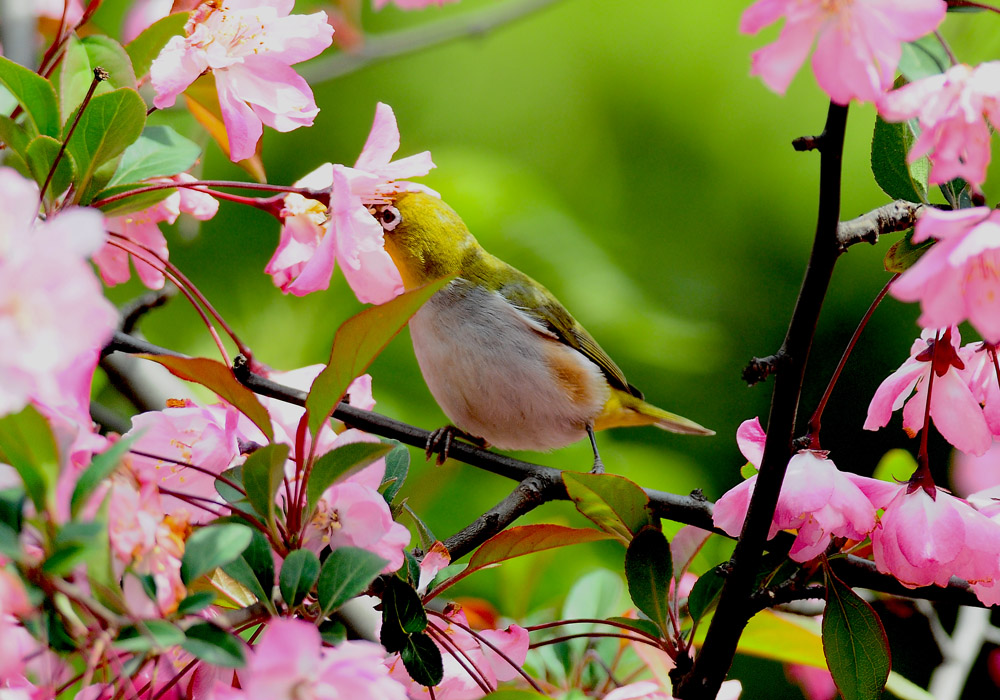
pixel 132 311
pixel 760 368
pixel 734 609
pixel 894 216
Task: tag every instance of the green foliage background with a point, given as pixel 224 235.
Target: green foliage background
pixel 621 154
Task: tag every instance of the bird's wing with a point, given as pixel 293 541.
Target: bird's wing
pixel 539 305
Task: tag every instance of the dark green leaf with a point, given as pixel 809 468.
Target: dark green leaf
pixel 903 254
pixel 644 626
pixel 899 179
pixel 923 58
pixel 145 47
pixel 212 546
pixel 397 466
pixel 236 500
pixel 149 635
pixel 613 503
pixel 422 660
pixel 12 508
pixel 41 155
pixel 854 641
pixel 65 558
pixel 35 94
pixel 347 572
pixel 263 473
pixel 215 646
pixel 427 538
pixel 299 574
pixel 196 602
pixel 219 378
pixel 254 567
pixel 10 545
pixel 357 342
pixel 402 614
pixel 527 539
pixel 332 632
pixel 130 204
pixel 341 462
pixel 14 136
pixel 28 445
pixel 109 124
pixel 705 593
pixel 648 569
pixel 77 70
pixel 101 466
pixel 159 152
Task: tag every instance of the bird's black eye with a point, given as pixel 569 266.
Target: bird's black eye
pixel 390 218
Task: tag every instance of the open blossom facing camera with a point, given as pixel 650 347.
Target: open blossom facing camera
pixel 250 46
pixel 953 109
pixel 958 279
pixel 858 42
pixel 314 240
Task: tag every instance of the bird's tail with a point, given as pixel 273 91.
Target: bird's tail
pixel 623 409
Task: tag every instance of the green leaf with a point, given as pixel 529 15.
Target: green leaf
pixel 12 508
pixel 899 179
pixel 357 342
pixel 397 467
pixel 101 466
pixel 77 70
pixel 129 204
pixel 904 253
pixel 35 94
pixel 219 378
pixel 236 500
pixel 854 641
pixel 28 445
pixel 339 463
pixel 263 473
pixel 109 124
pixel 14 136
pixel 705 593
pixel 158 152
pixel 347 572
pixel 212 546
pixel 196 602
pixel 41 155
pixel 402 614
pixel 896 466
pixel 145 47
pixel 333 632
pixel 639 624
pixel 527 539
pixel 299 574
pixel 422 660
pixel 648 570
pixel 148 635
pixel 214 645
pixel 10 545
pixel 254 568
pixel 923 58
pixel 613 503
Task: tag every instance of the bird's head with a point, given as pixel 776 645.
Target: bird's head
pixel 425 238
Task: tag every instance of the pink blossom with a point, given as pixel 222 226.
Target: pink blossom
pixel 957 279
pixel 314 240
pixel 816 499
pixel 643 690
pixel 816 683
pixel 53 9
pixel 13 597
pixel 953 407
pixel 926 539
pixel 290 663
pixel 970 474
pixel 144 238
pixel 250 46
pixel 858 42
pixel 952 108
pixel 142 14
pixel 493 668
pixel 411 4
pixel 437 558
pixel 52 309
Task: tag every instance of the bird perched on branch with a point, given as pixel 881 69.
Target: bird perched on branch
pixel 506 362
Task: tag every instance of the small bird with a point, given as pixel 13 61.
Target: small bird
pixel 506 362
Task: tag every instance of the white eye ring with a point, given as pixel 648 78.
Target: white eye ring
pixel 389 217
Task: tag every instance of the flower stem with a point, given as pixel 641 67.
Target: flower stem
pixel 320 196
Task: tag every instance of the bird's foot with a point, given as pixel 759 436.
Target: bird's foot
pixel 440 441
pixel 598 467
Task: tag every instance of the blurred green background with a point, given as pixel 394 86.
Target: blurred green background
pixel 621 154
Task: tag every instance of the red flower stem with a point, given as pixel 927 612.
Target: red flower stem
pixel 461 657
pixel 589 621
pixel 228 482
pixel 100 75
pixel 57 40
pixel 173 681
pixel 594 635
pixel 141 254
pixel 817 416
pixel 323 197
pixel 947 49
pixel 922 476
pixel 482 640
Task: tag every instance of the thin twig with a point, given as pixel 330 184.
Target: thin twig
pixel 100 75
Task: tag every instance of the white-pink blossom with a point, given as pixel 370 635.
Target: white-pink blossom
pixel 858 42
pixel 952 109
pixel 250 46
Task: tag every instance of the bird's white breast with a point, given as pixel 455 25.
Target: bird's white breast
pixel 499 375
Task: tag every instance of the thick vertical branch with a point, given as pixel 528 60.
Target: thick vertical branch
pixel 734 609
